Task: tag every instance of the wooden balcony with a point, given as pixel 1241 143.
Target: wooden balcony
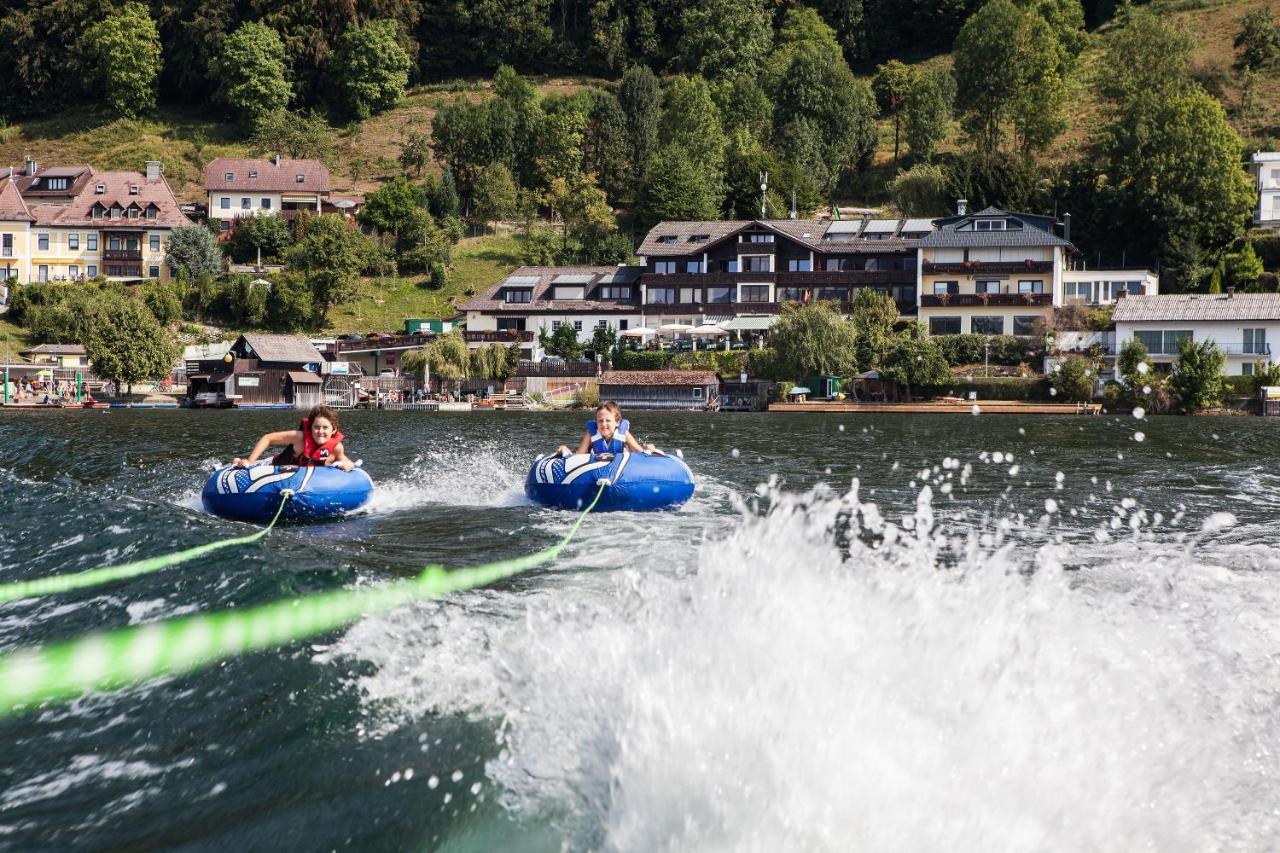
pixel 122 254
pixel 818 278
pixel 382 342
pixel 980 267
pixel 509 336
pixel 992 300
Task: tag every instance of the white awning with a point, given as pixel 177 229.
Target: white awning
pixel 710 330
pixel 750 324
pixel 675 327
pixel 638 332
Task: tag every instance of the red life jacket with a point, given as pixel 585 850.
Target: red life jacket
pixel 312 453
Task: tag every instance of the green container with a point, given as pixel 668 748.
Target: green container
pixel 823 387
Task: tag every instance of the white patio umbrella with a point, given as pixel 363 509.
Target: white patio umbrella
pixel 638 332
pixel 675 328
pixel 707 330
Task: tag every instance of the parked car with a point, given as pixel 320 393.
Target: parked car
pixel 211 400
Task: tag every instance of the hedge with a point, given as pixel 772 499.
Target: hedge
pixel 996 388
pixel 1004 349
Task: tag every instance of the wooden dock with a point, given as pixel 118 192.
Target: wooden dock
pixel 943 407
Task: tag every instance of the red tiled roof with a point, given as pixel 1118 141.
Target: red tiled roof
pixel 658 377
pixel 269 176
pixel 12 207
pixel 116 190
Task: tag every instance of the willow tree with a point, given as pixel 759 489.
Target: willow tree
pixel 813 339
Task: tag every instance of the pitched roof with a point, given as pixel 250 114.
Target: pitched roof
pixel 542 279
pixel 12 207
pixel 117 189
pixel 54 349
pixel 267 176
pixel 658 377
pixel 293 348
pixel 677 239
pixel 1185 307
pixel 958 233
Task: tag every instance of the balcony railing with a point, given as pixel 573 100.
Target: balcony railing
pixel 561 368
pixel 994 300
pixel 1260 350
pixel 817 278
pixel 122 254
pixel 383 342
pixel 979 267
pixel 501 337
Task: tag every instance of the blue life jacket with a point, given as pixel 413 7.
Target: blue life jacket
pixel 614 445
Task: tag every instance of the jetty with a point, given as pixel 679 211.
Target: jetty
pixel 942 407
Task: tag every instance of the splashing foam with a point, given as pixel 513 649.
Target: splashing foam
pixel 809 690
pixel 471 475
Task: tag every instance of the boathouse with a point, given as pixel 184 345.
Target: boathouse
pixel 260 371
pixel 693 390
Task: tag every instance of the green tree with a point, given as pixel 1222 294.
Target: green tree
pixel 415 153
pixel 744 105
pixel 813 339
pixel 914 359
pixel 676 189
pixel 745 160
pixel 446 356
pixel 330 255
pixel 1133 364
pixel 126 344
pixel 1009 70
pixel 370 68
pixel 1218 275
pixel 1175 161
pixel 603 340
pixel 297 135
pixel 920 191
pixel 1073 379
pixel 389 207
pixel 495 193
pixel 442 195
pixel 263 231
pixel 563 342
pixel 606 145
pixel 1197 380
pixel 927 112
pixel 691 121
pixel 641 100
pixel 253 80
pixel 1258 40
pixel 124 52
pixel 289 306
pixel 821 103
pixel 873 316
pixel 1148 54
pixel 723 38
pixel 193 252
pixel 1243 268
pixel 892 85
pixel 800 25
pixel 162 302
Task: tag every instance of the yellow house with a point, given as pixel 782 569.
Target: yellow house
pixel 60 355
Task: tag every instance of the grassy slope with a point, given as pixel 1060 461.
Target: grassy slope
pixel 12 339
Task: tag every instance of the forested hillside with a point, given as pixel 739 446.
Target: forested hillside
pixel 1135 119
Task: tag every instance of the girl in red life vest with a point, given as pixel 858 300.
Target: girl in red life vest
pixel 608 433
pixel 316 442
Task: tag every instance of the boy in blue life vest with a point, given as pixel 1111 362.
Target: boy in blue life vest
pixel 315 442
pixel 608 433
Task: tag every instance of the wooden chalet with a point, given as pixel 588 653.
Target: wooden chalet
pixel 693 390
pixel 260 371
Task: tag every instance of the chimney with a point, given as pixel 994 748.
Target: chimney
pixel 1231 291
pixel 32 166
pixel 1066 227
pixel 276 159
pixel 962 204
pixel 153 170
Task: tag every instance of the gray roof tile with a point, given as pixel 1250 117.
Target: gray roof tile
pixel 542 280
pixel 1186 307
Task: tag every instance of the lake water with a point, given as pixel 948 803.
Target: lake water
pixel 879 632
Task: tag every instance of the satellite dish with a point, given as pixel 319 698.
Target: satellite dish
pixel 764 187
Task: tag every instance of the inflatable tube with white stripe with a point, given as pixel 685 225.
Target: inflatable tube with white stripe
pixel 637 481
pixel 253 494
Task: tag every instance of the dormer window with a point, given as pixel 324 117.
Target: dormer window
pixel 57 183
pixel 252 174
pixel 116 211
pixel 301 178
pixel 667 238
pixel 229 176
pixel 134 211
pixel 989 225
pixel 700 238
pixel 152 213
pixel 100 189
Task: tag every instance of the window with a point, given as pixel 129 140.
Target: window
pixel 517 295
pixel 904 293
pixel 792 294
pixel 799 265
pixel 93 242
pixel 832 265
pixel 154 243
pixel 603 324
pixel 253 173
pixel 667 238
pixel 757 263
pixel 245 202
pixel 266 204
pixel 697 393
pixel 990 286
pixel 754 293
pixel 1131 287
pixel 133 189
pixel 73 271
pixel 833 294
pixel 693 266
pixel 1246 369
pixel 42 274
pixel 989 225
pixel 690 294
pixel 614 292
pixel 134 211
pixel 116 211
pixel 152 213
pixel 664 267
pixel 1255 342
pixel 1162 342
pixel 555 325
pixel 99 189
pixel 7 245
pixel 1082 290
pixel 113 244
pixel 300 178
pixel 224 202
pixel 700 238
pixel 986 325
pixel 944 325
pixel 943 288
pixel 759 238
pixel 153 271
pixel 57 183
pixel 230 176
pixel 719 294
pixel 91 271
pixel 622 325
pixel 661 295
pixel 1027 326
pixel 1036 286
pixel 224 225
pixel 577 325
pixel 42 242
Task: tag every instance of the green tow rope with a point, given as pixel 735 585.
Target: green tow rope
pixel 107 574
pixel 113 659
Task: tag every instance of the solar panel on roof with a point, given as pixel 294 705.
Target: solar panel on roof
pixel 623 275
pixel 574 278
pixel 844 226
pixel 881 226
pixel 915 225
pixel 521 281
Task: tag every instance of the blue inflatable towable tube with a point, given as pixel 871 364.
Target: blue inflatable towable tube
pixel 253 494
pixel 637 481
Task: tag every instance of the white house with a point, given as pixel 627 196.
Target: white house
pixel 279 187
pixel 1103 286
pixel 1243 325
pixel 1265 166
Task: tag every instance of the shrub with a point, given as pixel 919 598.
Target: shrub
pixel 1197 381
pixel 1073 379
pixel 589 396
pixel 642 360
pixel 1003 349
pixel 996 388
